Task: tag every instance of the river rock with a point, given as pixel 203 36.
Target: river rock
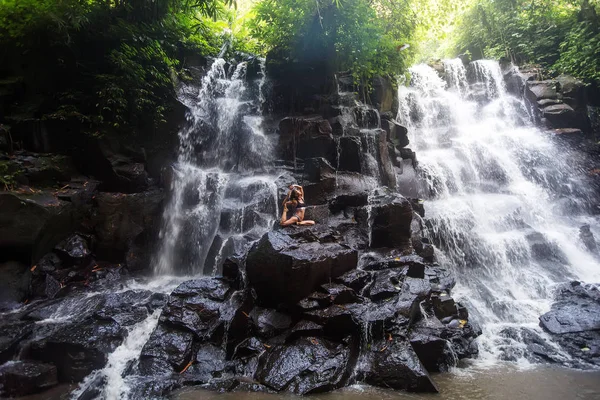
pixel 307 365
pixel 434 352
pixel 394 364
pixel 284 268
pixel 269 322
pixel 78 349
pixel 195 306
pixel 168 349
pixel 20 378
pixel 577 309
pixel 574 321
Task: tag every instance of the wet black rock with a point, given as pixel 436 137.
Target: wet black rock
pixel 269 322
pixel 394 364
pixel 119 218
pixel 391 218
pixel 386 283
pixel 350 154
pixel 195 306
pixel 20 378
pixel 433 351
pixel 210 363
pixel 339 294
pixel 75 248
pixel 574 321
pixel 167 350
pixel 306 137
pixel 577 309
pixel 337 320
pixel 15 282
pixel 356 279
pixel 78 349
pixel 396 133
pixel 33 224
pixel 284 267
pixel 308 365
pixel 11 334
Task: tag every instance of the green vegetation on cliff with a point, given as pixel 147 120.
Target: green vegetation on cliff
pixel 111 65
pixel 366 38
pixel 107 65
pixel 562 36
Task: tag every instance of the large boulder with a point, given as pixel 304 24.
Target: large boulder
pixel 168 350
pixel 308 365
pixel 516 80
pixel 577 310
pixel 195 306
pixel 391 217
pixel 78 349
pixel 539 90
pixel 285 266
pixel 394 364
pixel 574 321
pixel 31 224
pixel 20 378
pixel 120 218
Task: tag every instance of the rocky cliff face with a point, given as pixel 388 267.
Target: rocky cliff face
pixel 355 298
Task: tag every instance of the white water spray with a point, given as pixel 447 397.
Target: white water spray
pixel 504 201
pixel 219 194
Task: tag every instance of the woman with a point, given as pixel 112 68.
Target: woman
pixel 295 200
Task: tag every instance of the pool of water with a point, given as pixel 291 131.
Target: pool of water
pixel 542 383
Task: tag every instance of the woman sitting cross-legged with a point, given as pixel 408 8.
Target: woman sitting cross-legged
pixel 294 201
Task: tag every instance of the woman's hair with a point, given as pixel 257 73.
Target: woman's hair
pixel 295 194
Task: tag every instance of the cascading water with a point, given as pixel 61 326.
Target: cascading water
pixel 221 198
pixel 221 195
pixel 505 202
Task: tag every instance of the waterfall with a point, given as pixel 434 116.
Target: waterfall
pixel 504 201
pixel 221 195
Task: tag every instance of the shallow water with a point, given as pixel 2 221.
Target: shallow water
pixel 543 383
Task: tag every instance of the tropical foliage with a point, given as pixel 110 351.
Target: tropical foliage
pixel 560 35
pixel 364 37
pixel 107 64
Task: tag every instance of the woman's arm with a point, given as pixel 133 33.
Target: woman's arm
pixel 287 197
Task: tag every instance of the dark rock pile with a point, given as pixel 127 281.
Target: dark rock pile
pixel 559 104
pixel 322 325
pixel 574 322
